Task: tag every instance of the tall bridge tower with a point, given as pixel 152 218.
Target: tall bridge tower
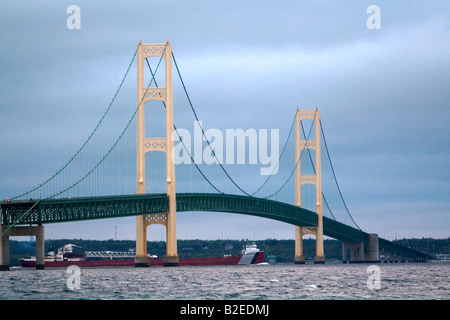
pixel 165 145
pixel 300 180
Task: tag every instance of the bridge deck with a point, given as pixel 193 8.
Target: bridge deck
pixel 27 212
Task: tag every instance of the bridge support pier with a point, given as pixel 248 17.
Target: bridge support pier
pixel 37 231
pixel 373 248
pixel 356 250
pixel 361 252
pixel 171 261
pixel 141 262
pixel 4 250
pixel 141 259
pixel 299 258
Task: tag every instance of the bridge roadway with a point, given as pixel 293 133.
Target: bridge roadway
pixel 39 212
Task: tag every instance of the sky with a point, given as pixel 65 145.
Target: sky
pixel 383 95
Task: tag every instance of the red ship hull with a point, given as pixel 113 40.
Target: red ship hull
pixel 215 261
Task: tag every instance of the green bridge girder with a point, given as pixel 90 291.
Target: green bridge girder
pixel 39 212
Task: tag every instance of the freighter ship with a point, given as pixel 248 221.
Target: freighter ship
pixel 68 255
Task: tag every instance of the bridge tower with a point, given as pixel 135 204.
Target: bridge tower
pixel 165 145
pixel 300 180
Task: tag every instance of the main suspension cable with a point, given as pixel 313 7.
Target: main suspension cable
pixel 89 137
pixel 96 166
pixel 212 150
pixel 207 140
pixel 279 158
pixel 118 139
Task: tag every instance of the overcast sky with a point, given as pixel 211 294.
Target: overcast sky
pixel 383 96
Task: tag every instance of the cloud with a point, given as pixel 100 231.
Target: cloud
pixel 383 94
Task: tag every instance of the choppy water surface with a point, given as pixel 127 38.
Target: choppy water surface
pixel 274 282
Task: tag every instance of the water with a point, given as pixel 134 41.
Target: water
pixel 272 282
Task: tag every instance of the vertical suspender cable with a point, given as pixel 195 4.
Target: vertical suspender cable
pixel 335 179
pixel 210 183
pixel 207 140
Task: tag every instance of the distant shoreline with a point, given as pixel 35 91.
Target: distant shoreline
pixel 276 251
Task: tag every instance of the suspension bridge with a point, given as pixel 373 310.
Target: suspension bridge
pixel 106 177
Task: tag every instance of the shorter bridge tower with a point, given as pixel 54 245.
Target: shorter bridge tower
pixel 300 180
pixel 144 145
